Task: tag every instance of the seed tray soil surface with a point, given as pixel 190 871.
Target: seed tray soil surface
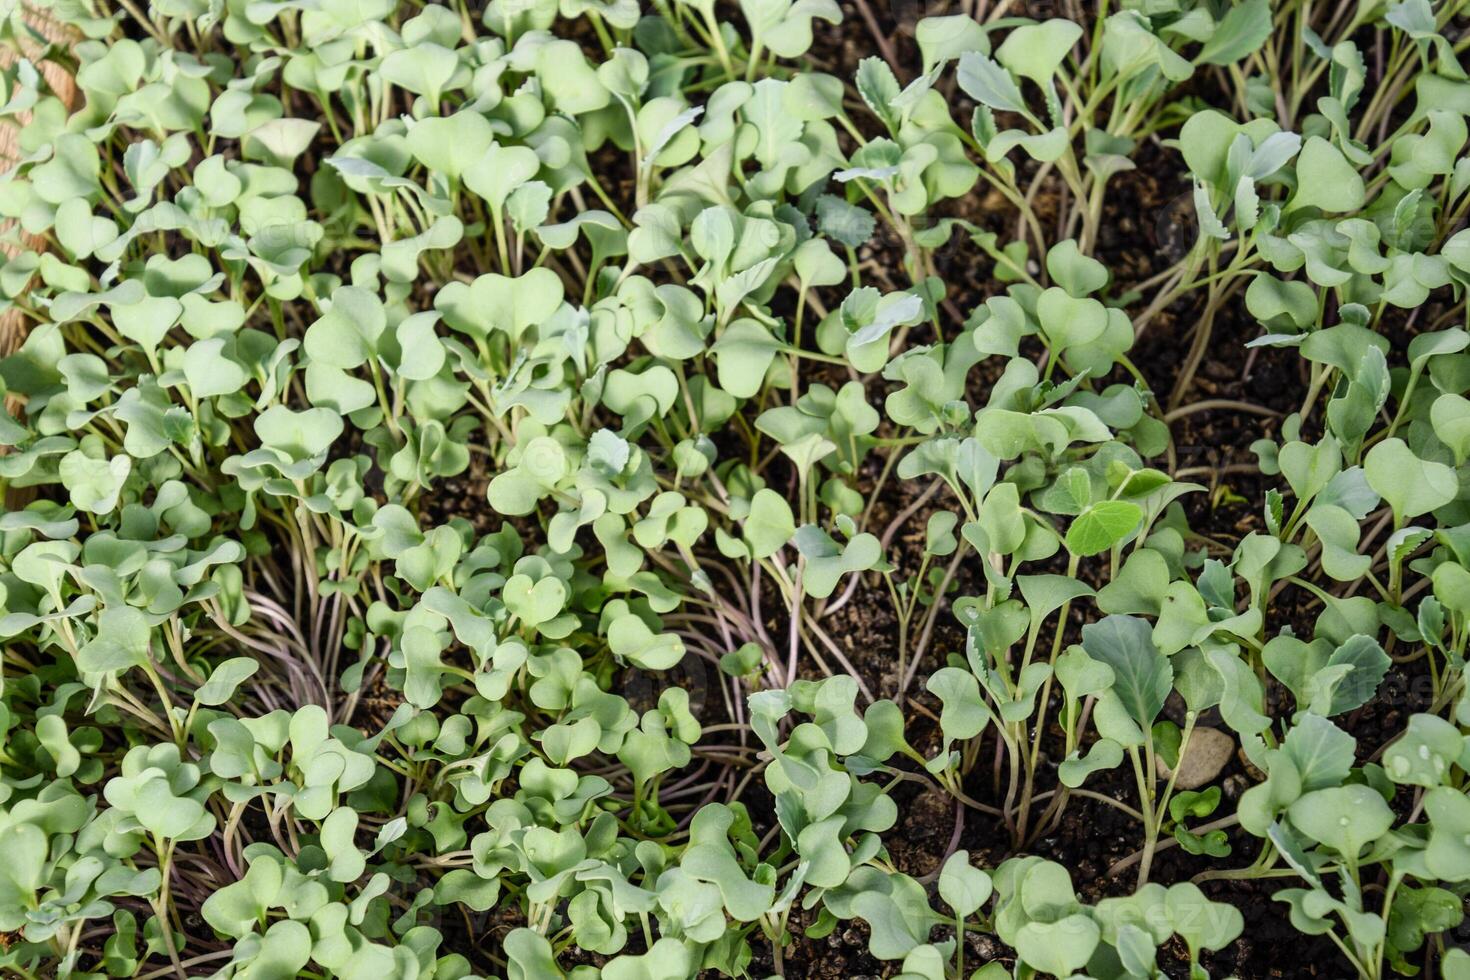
pixel 1148 226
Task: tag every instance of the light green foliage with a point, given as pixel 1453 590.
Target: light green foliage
pixel 492 489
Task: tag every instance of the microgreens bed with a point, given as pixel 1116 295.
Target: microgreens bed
pixel 549 489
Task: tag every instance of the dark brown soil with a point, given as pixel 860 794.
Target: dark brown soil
pixel 1147 227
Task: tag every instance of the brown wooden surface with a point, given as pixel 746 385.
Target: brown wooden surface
pixel 12 326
